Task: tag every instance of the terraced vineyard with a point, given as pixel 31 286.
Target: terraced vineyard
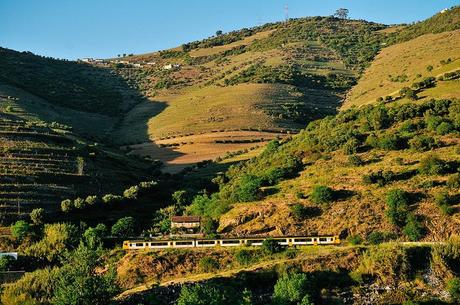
pixel 38 166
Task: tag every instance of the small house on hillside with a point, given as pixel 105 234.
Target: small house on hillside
pixel 171 67
pixel 186 224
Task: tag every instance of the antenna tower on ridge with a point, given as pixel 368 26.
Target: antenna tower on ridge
pixel 286 12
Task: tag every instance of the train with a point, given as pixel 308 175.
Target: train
pixel 289 241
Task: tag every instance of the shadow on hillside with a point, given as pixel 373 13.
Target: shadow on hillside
pixel 92 99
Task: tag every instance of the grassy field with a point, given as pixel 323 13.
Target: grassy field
pixel 409 61
pixel 179 152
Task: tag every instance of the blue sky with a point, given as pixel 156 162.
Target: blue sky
pixel 104 28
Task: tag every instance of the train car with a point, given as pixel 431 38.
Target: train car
pixel 289 241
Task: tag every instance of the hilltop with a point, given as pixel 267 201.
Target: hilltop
pixel 272 78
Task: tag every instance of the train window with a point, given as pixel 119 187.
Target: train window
pixel 302 240
pixel 230 242
pixel 131 245
pixel 206 242
pixel 255 241
pixel 139 244
pixel 322 239
pixel 184 243
pixel 158 244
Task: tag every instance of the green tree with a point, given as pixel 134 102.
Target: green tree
pixel 246 297
pixel 291 289
pixel 20 229
pixel 453 287
pixel 5 262
pixel 66 205
pixel 93 236
pixel 397 207
pixel 322 194
pixel 271 246
pixel 432 165
pixel 248 189
pixel 201 295
pixel 58 238
pixel 37 216
pixel 124 227
pixel 341 13
pixel 208 264
pixel 413 229
pixel 78 282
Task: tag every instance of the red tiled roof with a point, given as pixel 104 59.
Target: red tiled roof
pixel 185 219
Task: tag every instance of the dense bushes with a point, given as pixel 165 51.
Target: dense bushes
pixel 422 143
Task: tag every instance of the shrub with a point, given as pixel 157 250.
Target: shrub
pixel 131 193
pixel 124 227
pixel 355 239
pixel 36 287
pixel 57 239
pixel 355 160
pixel 5 262
pixel 79 203
pixel 446 209
pixel 300 212
pixel 20 229
pixel 245 257
pixel 271 246
pixel 408 93
pixel 444 128
pixel 377 237
pixel 322 194
pixel 37 216
pixel 91 200
pixel 442 198
pixel 432 122
pixel 397 207
pixel 389 263
pixel 93 236
pixel 351 146
pixel 66 205
pixel 292 289
pixel 112 199
pixel 453 287
pixel 390 142
pixel 422 143
pixel 248 189
pixel 454 181
pixel 432 165
pixel 413 229
pixel 199 294
pixel 208 264
pixel 378 118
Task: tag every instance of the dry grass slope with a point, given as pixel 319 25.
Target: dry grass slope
pixel 409 60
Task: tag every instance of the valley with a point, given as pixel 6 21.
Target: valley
pixel 308 161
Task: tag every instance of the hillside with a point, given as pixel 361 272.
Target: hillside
pixel 43 163
pixel 402 65
pixel 271 78
pixel 356 157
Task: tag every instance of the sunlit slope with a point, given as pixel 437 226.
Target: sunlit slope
pixel 403 64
